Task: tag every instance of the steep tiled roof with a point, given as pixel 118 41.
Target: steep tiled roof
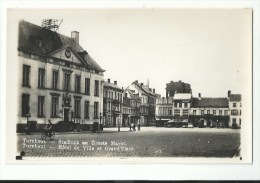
pixel 144 89
pixel 35 39
pixel 210 102
pixel 111 85
pixel 235 97
pixel 132 94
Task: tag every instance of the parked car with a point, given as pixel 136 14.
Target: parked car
pixel 201 125
pixel 190 125
pixel 185 125
pixel 234 126
pixel 170 123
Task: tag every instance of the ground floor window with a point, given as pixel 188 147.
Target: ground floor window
pixel 234 121
pixel 86 112
pixel 25 104
pixel 77 108
pixel 96 110
pixel 40 106
pixel 54 106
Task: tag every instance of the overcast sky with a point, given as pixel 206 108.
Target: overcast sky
pixel 210 49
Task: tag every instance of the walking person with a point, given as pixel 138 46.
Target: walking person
pixel 139 125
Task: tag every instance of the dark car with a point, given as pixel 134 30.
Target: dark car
pixel 170 123
pixel 234 126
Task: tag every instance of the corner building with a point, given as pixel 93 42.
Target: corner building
pixel 58 80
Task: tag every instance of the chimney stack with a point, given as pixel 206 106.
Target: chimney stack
pixel 229 92
pixel 115 82
pixel 125 95
pixel 108 80
pixel 75 36
pixel 199 96
pixel 141 84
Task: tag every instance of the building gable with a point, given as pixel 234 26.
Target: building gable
pixel 66 53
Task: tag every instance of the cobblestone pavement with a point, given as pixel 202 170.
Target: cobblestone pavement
pixel 149 142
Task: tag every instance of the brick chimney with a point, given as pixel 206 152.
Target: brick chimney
pixel 199 96
pixel 229 92
pixel 75 36
pixel 108 80
pixel 115 82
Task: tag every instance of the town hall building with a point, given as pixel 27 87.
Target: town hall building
pixel 59 80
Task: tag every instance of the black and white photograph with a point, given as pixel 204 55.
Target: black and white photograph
pixel 130 84
pixel 129 90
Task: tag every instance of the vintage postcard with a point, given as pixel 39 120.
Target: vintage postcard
pixel 129 85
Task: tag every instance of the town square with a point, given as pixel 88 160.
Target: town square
pixel 148 142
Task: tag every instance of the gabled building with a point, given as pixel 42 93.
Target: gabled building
pixel 148 102
pixel 235 107
pixel 58 78
pixel 131 107
pixel 113 103
pixel 209 112
pixel 163 110
pixel 181 107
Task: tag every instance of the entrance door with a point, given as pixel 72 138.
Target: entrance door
pixel 66 115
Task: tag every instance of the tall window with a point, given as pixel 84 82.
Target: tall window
pixel 86 111
pixel 234 121
pixel 77 83
pixel 185 112
pixel 180 104
pixel 66 81
pixel 177 112
pixel 96 92
pixel 95 110
pixel 214 112
pixel 234 112
pixel 40 106
pixel 234 104
pixel 194 112
pixel 208 111
pixel 170 111
pixel 175 104
pixel 77 108
pixel 87 86
pixel 202 112
pixel 25 104
pixel 41 75
pixel 55 75
pixel 185 105
pixel 226 112
pixel 26 75
pixel 220 112
pixel 54 106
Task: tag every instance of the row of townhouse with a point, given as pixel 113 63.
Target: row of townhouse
pixel 201 111
pixel 59 80
pixel 125 106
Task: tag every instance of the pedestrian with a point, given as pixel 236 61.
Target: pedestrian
pixel 139 125
pixel 130 127
pixel 134 127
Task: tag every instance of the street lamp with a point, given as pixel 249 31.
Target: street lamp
pixel 119 123
pixel 100 118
